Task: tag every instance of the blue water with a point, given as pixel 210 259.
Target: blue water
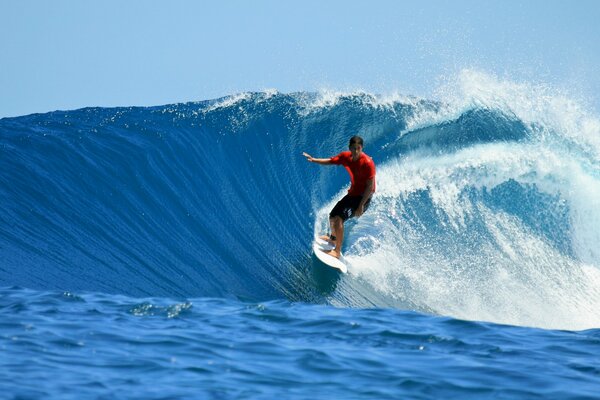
pixel 98 345
pixel 165 252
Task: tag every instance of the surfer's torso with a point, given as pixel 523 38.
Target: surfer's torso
pixel 360 171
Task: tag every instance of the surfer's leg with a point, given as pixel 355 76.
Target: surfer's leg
pixel 330 238
pixel 337 226
pixel 332 227
pixel 336 212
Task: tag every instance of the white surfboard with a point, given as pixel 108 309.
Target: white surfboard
pixel 318 246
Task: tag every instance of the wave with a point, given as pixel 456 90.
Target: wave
pixel 487 202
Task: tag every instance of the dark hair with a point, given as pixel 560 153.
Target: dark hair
pixel 356 140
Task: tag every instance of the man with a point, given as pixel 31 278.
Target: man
pixel 362 178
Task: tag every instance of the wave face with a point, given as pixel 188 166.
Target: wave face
pixel 487 205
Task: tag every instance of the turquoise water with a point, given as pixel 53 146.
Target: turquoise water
pixel 165 252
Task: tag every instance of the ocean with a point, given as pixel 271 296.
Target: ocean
pixel 165 252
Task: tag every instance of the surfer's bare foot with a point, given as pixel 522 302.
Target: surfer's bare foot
pixel 333 253
pixel 327 239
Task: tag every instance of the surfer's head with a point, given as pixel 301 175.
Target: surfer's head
pixel 356 146
pixel 356 140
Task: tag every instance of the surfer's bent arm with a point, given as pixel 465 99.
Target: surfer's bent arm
pixel 367 193
pixel 322 161
pixel 366 196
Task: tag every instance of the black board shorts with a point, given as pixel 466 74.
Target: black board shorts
pixel 346 207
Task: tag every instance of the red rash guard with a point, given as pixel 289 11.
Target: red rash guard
pixel 360 171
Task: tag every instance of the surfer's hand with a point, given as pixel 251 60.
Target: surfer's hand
pixel 359 211
pixel 308 157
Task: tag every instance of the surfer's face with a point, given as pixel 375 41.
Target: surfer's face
pixel 356 149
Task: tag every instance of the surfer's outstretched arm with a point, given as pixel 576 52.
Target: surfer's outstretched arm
pixel 322 161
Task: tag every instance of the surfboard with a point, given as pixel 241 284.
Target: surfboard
pixel 318 246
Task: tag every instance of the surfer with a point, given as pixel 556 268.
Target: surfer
pixel 362 186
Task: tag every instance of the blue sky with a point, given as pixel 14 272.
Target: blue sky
pixel 69 54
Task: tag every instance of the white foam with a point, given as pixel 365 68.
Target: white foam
pixel 328 98
pixel 227 102
pixel 516 276
pixel 554 114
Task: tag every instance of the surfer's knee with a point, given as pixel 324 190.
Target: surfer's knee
pixel 337 221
